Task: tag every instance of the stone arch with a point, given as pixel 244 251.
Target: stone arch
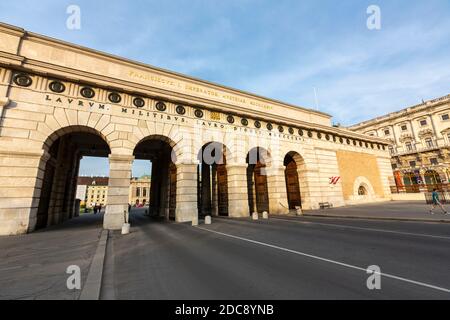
pixel 177 149
pixel 56 185
pixel 296 179
pixel 362 183
pixel 161 150
pixel 212 179
pixel 259 161
pixel 55 135
pixel 66 120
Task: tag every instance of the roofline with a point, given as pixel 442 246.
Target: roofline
pixel 148 66
pixel 397 114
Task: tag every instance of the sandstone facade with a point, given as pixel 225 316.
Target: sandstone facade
pixel 59 102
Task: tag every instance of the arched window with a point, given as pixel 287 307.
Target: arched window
pixel 362 191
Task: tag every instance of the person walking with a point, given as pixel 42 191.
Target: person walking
pixel 436 202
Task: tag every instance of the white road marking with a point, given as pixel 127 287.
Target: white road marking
pixel 327 260
pixel 366 229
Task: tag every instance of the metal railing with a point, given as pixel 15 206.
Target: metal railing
pixel 420 188
pixel 444 197
pixel 435 146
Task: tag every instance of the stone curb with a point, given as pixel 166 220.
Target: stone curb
pixel 376 218
pixel 93 285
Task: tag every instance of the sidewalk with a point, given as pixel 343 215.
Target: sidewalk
pixel 393 210
pixel 34 266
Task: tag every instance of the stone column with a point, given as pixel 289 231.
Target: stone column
pixel 310 188
pixel 206 190
pixel 155 187
pixel 164 189
pixel 237 190
pixel 214 192
pixel 59 191
pixel 118 190
pixel 186 206
pixel 276 183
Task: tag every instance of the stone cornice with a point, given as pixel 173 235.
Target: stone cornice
pixel 192 101
pixel 403 113
pixel 37 38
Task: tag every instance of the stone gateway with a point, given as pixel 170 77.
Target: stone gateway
pixel 215 150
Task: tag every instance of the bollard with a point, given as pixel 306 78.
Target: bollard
pixel 255 216
pixel 195 221
pixel 265 215
pixel 208 220
pixel 126 225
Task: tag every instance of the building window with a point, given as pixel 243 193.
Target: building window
pixel 404 127
pixel 138 192
pixel 434 161
pixel 387 132
pixel 409 146
pixel 394 166
pixel 429 143
pixel 423 123
pixel 362 191
pixel 445 117
pixel 391 149
pixel 144 192
pixel 412 164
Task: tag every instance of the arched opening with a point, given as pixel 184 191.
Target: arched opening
pixel 410 179
pixel 258 193
pixel 57 202
pixel 362 191
pixel 432 177
pixel 212 180
pixel 292 180
pixel 160 187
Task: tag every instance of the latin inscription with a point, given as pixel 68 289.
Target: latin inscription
pixel 162 116
pixel 187 87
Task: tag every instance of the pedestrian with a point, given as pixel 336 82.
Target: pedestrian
pixel 435 202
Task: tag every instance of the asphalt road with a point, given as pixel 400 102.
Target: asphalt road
pixel 307 258
pixel 33 266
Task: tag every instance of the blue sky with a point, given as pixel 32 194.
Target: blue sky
pixel 279 49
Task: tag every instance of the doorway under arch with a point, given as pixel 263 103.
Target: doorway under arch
pixel 212 180
pixel 292 161
pixel 158 151
pixel 64 150
pixel 257 188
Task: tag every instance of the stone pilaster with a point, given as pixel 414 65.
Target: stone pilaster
pixel 206 190
pixel 21 176
pixel 118 191
pixel 214 192
pixel 237 190
pixel 186 192
pixel 276 183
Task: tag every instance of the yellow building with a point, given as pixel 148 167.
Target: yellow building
pixel 140 191
pixel 420 144
pixel 96 191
